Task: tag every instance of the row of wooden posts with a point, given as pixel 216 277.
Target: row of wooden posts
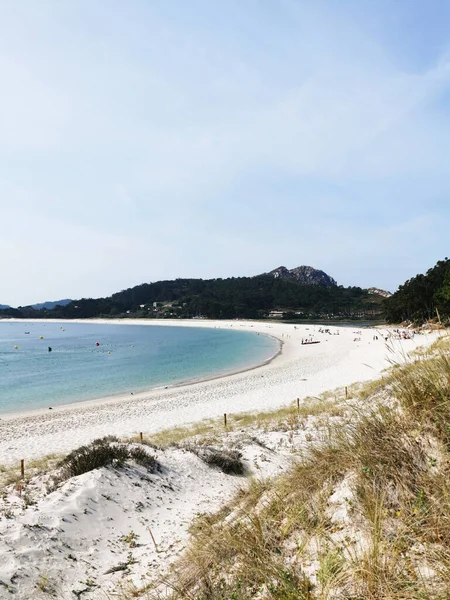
pixel 225 414
pixel 141 435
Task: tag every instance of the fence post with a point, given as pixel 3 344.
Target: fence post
pixel 153 539
pixel 140 436
pixel 346 393
pixel 298 404
pixel 22 468
pixel 225 419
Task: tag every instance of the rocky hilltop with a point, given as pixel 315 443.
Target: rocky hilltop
pixel 378 292
pixel 304 276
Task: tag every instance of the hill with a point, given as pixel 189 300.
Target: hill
pixel 256 297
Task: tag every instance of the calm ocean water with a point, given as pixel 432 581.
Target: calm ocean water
pixel 129 358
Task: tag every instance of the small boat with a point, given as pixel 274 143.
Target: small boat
pixel 309 342
pixel 27 333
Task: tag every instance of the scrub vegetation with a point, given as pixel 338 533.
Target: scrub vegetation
pixel 364 512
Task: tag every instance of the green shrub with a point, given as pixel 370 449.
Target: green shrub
pixel 228 461
pixel 103 452
pixel 143 458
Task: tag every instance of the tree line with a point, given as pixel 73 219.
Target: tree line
pixel 235 297
pixel 422 297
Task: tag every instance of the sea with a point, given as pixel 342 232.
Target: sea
pixel 90 360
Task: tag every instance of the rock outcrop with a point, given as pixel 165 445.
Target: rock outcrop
pixel 378 292
pixel 304 276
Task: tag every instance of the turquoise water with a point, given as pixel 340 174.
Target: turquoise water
pixel 129 358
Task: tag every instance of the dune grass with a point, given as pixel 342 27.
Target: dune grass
pixel 365 514
pixel 11 473
pixel 282 418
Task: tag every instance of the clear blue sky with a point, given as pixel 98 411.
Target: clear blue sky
pixel 154 139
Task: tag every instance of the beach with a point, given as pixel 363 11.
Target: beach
pixel 343 356
pixel 116 528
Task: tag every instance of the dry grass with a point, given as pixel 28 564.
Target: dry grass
pixel 11 473
pixel 282 539
pixel 281 419
pixel 423 390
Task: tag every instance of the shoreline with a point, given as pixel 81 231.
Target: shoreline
pixel 110 398
pixel 296 371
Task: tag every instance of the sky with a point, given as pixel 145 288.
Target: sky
pixel 147 140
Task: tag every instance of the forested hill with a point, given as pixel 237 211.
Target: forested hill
pixel 423 297
pixel 242 297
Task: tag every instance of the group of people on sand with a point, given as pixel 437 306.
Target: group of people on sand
pixel 397 334
pixel 403 335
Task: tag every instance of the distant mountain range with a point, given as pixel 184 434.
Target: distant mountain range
pixel 51 304
pixel 46 305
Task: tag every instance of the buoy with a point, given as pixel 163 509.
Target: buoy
pixel 16 347
pixel 49 349
pixel 109 351
pixel 41 337
pixel 97 343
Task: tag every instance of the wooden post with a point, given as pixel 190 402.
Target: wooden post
pixel 346 393
pixel 225 419
pixel 153 539
pixel 140 435
pixel 22 468
pixel 298 404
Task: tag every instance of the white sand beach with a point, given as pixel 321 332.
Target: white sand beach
pixel 343 356
pixel 115 528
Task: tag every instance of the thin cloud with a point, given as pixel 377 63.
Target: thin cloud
pixel 164 139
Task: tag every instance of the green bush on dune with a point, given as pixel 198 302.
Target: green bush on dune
pixel 104 452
